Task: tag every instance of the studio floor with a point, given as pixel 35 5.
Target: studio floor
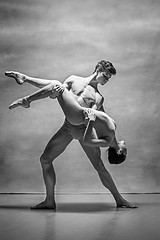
pixel 79 217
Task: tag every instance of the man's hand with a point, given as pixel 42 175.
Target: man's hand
pixel 59 89
pixel 89 115
pixel 56 91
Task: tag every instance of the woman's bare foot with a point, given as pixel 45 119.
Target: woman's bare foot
pixel 45 205
pixel 125 204
pixel 20 102
pixel 19 77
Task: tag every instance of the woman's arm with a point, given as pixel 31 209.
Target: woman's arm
pixel 68 82
pixel 90 137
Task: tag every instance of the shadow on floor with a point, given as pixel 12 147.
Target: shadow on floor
pixel 68 207
pixel 85 207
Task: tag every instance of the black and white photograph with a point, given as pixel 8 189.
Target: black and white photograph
pixel 79 119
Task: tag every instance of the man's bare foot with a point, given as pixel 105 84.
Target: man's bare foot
pixel 19 77
pixel 20 102
pixel 126 204
pixel 44 205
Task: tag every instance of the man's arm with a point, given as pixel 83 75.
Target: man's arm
pixel 99 104
pixel 68 82
pixel 101 109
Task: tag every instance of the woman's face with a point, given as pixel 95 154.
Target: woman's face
pixel 103 77
pixel 122 146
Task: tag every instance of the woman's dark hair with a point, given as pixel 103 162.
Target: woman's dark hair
pixel 114 157
pixel 104 66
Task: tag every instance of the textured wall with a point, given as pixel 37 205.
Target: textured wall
pixel 54 39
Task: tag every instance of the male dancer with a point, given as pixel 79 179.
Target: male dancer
pixel 85 91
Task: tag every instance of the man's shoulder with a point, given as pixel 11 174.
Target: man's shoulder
pixel 74 78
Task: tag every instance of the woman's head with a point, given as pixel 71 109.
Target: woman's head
pixel 117 158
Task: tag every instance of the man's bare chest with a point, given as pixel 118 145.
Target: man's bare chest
pixel 84 91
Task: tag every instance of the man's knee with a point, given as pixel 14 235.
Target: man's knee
pixel 45 160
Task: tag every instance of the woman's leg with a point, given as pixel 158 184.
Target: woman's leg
pixel 21 78
pixel 38 82
pixel 72 110
pixel 47 91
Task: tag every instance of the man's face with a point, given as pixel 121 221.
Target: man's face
pixel 103 77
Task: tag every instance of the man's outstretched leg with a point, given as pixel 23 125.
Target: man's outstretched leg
pixel 54 148
pixel 95 157
pixel 22 78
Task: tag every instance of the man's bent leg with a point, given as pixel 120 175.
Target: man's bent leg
pixel 94 155
pixel 54 148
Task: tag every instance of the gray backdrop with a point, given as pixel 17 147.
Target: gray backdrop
pixel 54 39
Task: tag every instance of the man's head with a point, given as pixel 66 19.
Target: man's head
pixel 104 70
pixel 105 66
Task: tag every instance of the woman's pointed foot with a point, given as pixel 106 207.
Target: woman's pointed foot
pixel 19 77
pixel 44 205
pixel 22 102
